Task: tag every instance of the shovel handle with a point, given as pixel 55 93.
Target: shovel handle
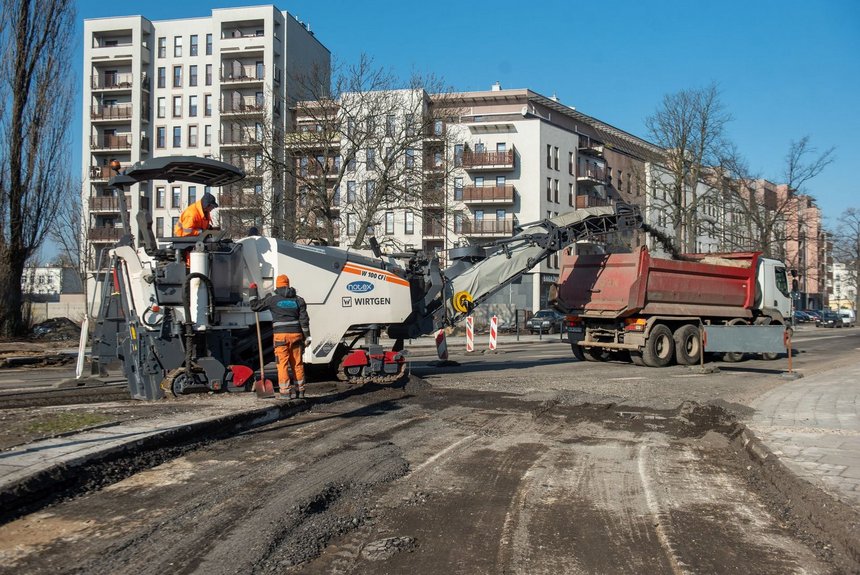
pixel 261 381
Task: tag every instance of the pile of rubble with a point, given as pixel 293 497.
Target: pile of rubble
pixel 57 329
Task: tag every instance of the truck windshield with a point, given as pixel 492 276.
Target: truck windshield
pixel 781 281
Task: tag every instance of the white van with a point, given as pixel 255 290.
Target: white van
pixel 849 318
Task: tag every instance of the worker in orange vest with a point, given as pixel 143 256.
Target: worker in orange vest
pixel 291 325
pixel 196 218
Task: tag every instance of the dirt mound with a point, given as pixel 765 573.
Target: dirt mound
pixel 57 329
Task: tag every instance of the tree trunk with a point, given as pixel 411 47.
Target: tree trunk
pixel 11 300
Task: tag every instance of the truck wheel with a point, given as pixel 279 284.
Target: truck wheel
pixel 577 351
pixel 688 345
pixel 595 354
pixel 636 358
pixel 659 347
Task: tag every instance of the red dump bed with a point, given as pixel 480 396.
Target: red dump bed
pixel 616 285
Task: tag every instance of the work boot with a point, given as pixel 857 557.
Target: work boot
pixel 301 392
pixel 284 393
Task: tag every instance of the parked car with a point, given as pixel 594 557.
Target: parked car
pixel 546 321
pixel 849 318
pixel 800 317
pixel 814 314
pixel 829 319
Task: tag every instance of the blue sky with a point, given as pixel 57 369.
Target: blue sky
pixel 785 67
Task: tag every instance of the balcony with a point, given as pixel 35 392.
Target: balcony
pixel 242 106
pixel 591 149
pixel 488 160
pixel 433 229
pixel 103 173
pixel 111 142
pixel 107 113
pixel 591 175
pixel 233 198
pixel 489 194
pixel 591 202
pixel 114 82
pixel 104 234
pixel 238 138
pixel 243 74
pixel 487 228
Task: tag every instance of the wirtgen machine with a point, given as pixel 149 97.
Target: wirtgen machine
pixel 175 310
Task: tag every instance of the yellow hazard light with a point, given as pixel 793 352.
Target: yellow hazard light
pixel 634 324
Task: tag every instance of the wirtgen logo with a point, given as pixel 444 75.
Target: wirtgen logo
pixel 360 287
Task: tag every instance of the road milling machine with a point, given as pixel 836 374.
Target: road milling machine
pixel 175 311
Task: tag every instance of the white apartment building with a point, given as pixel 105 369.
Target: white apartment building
pixel 843 291
pixel 199 86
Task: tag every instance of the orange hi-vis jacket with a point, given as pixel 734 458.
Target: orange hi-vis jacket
pixel 193 221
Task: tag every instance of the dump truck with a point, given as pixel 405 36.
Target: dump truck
pixel 655 309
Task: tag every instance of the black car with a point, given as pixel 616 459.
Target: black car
pixel 546 321
pixel 829 319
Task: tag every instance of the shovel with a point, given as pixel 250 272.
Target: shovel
pixel 262 387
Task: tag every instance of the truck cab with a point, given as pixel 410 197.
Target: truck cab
pixel 772 294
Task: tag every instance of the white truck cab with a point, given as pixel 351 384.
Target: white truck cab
pixel 773 291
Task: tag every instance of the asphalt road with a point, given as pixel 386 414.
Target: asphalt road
pixel 519 462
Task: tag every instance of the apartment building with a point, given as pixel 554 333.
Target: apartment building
pixel 209 87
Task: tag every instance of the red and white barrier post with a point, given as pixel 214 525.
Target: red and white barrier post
pixel 441 345
pixel 494 332
pixel 470 334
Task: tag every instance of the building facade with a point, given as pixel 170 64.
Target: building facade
pixel 207 87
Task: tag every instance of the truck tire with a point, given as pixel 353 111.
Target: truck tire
pixel 595 354
pixel 659 348
pixel 688 345
pixel 577 351
pixel 636 358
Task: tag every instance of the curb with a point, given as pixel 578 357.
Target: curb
pixel 66 478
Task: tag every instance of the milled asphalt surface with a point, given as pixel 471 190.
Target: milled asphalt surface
pixel 811 424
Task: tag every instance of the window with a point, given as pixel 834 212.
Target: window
pixel 207 135
pixel 208 44
pixel 192 136
pixel 500 181
pixel 480 148
pixel 408 223
pixel 389 223
pixel 501 148
pixel 369 190
pixel 410 157
pixel 555 159
pixel 437 159
pixel 159 137
pixel 177 76
pixel 570 163
pixel 501 215
pixel 620 183
pixel 371 159
pixel 555 191
pixel 259 69
pixel 177 106
pixel 258 132
pixel 208 74
pixel 350 191
pixel 350 127
pixel 570 195
pixel 177 136
pixel 438 127
pixel 350 225
pixel 549 189
pixel 159 227
pixel 389 125
pixel 192 49
pixel 371 125
pixel 458 189
pixel 175 196
pixel 458 155
pixel 173 223
pixel 177 46
pixel 192 75
pixel 162 47
pixel 192 106
pixel 410 124
pixel 192 194
pixel 161 77
pixel 458 223
pixel 207 105
pixel 548 156
pixel 159 197
pixel 161 110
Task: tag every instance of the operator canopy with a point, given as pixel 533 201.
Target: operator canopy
pixel 192 169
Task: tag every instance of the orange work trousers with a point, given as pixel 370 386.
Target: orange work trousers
pixel 288 351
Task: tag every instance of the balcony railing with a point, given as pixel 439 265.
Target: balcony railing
pixel 488 160
pixel 489 194
pixel 591 149
pixel 117 142
pixel 591 202
pixel 487 228
pixel 104 234
pixel 243 106
pixel 243 74
pixel 238 138
pixel 120 112
pixel 112 81
pixel 103 172
pixel 433 229
pixel 592 174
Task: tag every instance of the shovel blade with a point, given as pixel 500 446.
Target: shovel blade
pixel 264 389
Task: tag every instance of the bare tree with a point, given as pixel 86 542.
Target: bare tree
pixel 69 236
pixel 690 126
pixel 846 248
pixel 366 143
pixel 35 89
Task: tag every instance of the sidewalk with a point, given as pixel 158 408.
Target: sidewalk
pixel 812 425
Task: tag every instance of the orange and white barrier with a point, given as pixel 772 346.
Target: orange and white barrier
pixel 441 345
pixel 470 334
pixel 494 331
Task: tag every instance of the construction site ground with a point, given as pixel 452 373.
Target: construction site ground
pixel 518 461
